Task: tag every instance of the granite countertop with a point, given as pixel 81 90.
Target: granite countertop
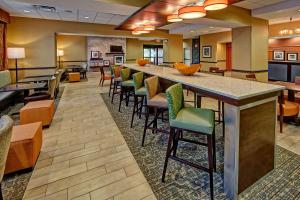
pixel 226 86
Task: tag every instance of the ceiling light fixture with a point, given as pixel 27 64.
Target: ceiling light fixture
pixel 141 30
pixel 86 17
pixel 215 4
pixel 136 33
pixel 27 11
pixel 191 12
pixel 149 28
pixel 174 18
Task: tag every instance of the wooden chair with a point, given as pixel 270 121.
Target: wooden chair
pixel 127 86
pixel 6 124
pixel 104 77
pixel 83 70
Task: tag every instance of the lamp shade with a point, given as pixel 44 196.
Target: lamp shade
pixel 174 18
pixel 191 12
pixel 15 53
pixel 215 4
pixel 60 52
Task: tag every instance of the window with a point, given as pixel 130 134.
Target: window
pixel 154 53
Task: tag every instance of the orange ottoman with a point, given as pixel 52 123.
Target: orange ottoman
pixel 74 76
pixel 25 147
pixel 37 111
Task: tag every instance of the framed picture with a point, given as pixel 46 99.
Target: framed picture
pixel 95 55
pixel 292 56
pixel 206 51
pixel 118 60
pixel 106 63
pixel 278 55
pixel 101 63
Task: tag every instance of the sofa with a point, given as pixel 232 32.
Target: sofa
pixel 5 97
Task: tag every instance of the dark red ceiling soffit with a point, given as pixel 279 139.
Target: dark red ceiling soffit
pixel 157 10
pixel 4 16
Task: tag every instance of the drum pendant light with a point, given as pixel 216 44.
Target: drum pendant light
pixel 215 4
pixel 191 12
pixel 174 18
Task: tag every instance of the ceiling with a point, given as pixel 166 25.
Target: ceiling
pixel 89 11
pixel 115 12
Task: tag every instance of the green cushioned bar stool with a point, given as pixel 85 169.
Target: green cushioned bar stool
pixel 139 93
pixel 157 101
pixel 127 86
pixel 193 120
pixel 115 70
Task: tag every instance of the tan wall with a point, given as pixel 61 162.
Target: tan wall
pixel 75 47
pixel 134 48
pixel 217 41
pixel 38 37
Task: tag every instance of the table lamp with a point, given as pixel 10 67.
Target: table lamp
pixel 16 53
pixel 60 53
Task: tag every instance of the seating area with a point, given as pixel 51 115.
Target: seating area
pixel 149 100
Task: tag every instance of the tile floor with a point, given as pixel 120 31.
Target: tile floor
pixel 84 155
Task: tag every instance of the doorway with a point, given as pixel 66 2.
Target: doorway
pixel 187 56
pixel 228 56
pixel 154 53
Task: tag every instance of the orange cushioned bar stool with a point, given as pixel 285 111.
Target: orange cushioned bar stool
pixel 25 147
pixel 38 111
pixel 74 76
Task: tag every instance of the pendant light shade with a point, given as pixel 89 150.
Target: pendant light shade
pixel 191 12
pixel 140 30
pixel 215 4
pixel 149 28
pixel 136 33
pixel 174 18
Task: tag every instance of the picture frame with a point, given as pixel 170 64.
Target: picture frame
pixel 206 51
pixel 95 55
pixel 292 56
pixel 278 55
pixel 101 63
pixel 106 63
pixel 118 60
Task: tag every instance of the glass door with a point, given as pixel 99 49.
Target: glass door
pixel 154 53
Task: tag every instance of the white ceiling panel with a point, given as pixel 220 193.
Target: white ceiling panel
pixel 117 19
pixel 253 4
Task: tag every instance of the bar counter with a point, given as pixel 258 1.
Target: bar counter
pixel 250 122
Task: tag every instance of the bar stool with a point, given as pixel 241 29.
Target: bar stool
pixel 139 92
pixel 127 86
pixel 155 100
pixel 195 120
pixel 116 81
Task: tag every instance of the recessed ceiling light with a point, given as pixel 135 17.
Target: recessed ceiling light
pixel 211 27
pixel 192 31
pixel 27 11
pixel 86 17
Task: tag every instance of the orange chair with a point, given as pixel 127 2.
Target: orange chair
pixel 104 77
pixel 25 147
pixel 37 111
pixel 289 109
pixel 74 76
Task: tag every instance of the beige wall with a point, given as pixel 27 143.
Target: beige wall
pixel 75 47
pixel 38 38
pixel 134 48
pixel 218 42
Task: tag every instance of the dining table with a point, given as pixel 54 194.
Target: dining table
pixel 35 79
pixel 250 112
pixel 292 88
pixel 23 87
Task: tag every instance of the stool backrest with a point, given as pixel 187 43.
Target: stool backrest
pixel 6 124
pixel 175 100
pixel 138 80
pixel 117 71
pixel 125 74
pixel 152 86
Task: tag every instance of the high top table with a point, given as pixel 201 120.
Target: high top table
pixel 250 122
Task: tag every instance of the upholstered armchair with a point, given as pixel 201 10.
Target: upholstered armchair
pixel 6 124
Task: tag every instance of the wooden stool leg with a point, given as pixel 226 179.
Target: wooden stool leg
pixel 134 108
pixel 211 165
pixel 110 85
pixel 219 111
pixel 1 195
pixel 141 108
pixel 155 120
pixel 146 125
pixel 223 120
pixel 175 142
pixel 169 148
pixel 121 98
pixel 214 151
pixel 114 92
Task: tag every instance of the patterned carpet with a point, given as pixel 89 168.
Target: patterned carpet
pixel 14 185
pixel 187 183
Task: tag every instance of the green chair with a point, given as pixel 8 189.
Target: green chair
pixel 139 92
pixel 193 120
pixel 127 86
pixel 157 101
